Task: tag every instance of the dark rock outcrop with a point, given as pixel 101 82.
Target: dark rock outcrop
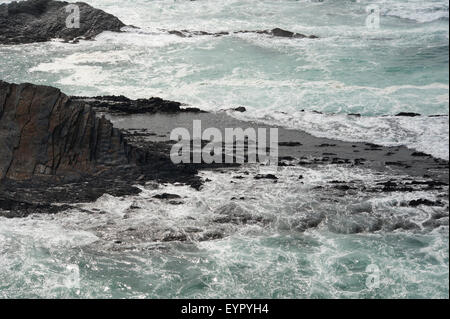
pixel 240 109
pixel 54 149
pixel 122 104
pixel 41 20
pixel 167 196
pixel 408 114
pixel 277 32
pixel 44 133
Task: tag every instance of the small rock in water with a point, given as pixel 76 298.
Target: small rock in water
pixel 240 109
pixel 42 20
pixel 166 196
pixel 419 154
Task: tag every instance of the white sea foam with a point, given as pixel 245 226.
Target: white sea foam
pixel 420 11
pixel 426 134
pixel 116 240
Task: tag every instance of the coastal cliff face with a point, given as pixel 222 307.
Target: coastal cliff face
pixel 44 133
pixel 42 20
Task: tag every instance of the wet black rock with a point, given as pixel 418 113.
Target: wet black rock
pixel 344 187
pixel 211 235
pixel 289 144
pixel 55 149
pixel 277 32
pixel 425 202
pixel 124 105
pixel 233 213
pixel 407 114
pixel 266 176
pixel 42 20
pixel 240 109
pixel 326 145
pixel 301 223
pixel 174 236
pixel 190 33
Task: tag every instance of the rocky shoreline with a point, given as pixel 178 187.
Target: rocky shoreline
pixel 43 20
pixel 58 152
pixel 55 149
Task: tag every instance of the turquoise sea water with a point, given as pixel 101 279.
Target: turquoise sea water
pixel 402 66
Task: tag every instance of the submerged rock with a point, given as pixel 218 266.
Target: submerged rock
pixel 42 20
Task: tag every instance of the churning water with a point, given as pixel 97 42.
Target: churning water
pixel 297 240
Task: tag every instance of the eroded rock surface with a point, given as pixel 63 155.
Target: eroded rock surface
pixel 41 20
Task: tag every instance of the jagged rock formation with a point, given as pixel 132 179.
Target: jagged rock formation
pixel 41 20
pixel 44 133
pixel 277 32
pixel 122 104
pixel 54 149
